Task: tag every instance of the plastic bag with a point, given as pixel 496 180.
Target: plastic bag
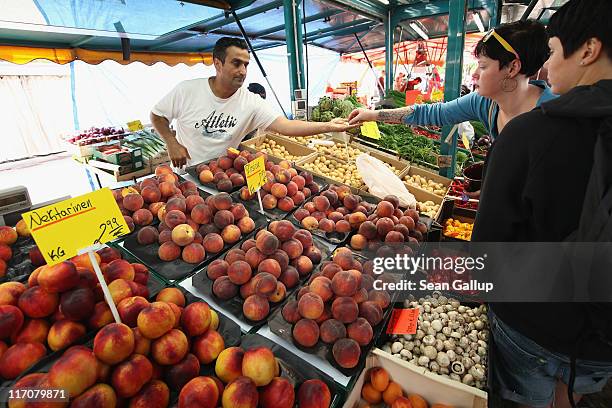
pixel 381 181
pixel 466 128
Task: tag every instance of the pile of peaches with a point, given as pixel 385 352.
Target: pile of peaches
pixel 59 304
pixel 226 172
pixel 192 227
pixel 334 210
pixel 8 237
pixel 263 269
pixel 338 307
pixel 285 188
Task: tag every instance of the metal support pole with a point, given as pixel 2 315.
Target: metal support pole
pixel 452 79
pixel 529 9
pixel 293 34
pixel 389 29
pixel 365 54
pixel 263 71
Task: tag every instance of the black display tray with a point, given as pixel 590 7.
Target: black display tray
pixel 19 267
pixel 234 306
pixel 191 170
pixel 279 326
pixel 227 328
pixel 275 213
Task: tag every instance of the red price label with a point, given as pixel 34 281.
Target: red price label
pixel 403 321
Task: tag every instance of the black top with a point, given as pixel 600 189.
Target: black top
pixel 536 178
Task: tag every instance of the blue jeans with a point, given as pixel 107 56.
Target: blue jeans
pixel 527 373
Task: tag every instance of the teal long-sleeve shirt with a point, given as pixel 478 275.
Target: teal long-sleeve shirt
pixel 469 107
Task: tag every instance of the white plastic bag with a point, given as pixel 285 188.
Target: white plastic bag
pixel 466 128
pixel 381 181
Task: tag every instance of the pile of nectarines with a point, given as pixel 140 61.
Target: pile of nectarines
pixel 8 236
pixel 193 227
pixel 378 388
pixel 58 306
pixel 338 307
pixel 263 269
pixel 389 224
pixel 141 207
pixel 226 172
pixel 285 188
pixel 334 209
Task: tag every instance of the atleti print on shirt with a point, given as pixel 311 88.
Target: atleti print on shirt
pixel 217 125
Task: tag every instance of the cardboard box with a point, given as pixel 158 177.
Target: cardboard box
pixel 122 158
pixel 433 388
pixel 415 171
pixel 449 210
pixel 294 149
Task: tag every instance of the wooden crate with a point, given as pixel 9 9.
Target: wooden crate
pixel 294 149
pixel 430 175
pixel 433 388
pixel 116 173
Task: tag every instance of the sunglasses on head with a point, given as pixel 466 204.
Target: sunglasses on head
pixel 501 40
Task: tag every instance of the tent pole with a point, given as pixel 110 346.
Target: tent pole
pixel 369 63
pixel 263 71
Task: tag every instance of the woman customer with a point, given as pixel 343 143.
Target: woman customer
pixel 507 57
pixel 546 180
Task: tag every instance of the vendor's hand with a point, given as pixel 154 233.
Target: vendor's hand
pixel 361 115
pixel 474 195
pixel 340 125
pixel 178 154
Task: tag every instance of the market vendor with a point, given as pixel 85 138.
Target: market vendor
pixel 213 114
pixel 507 57
pixel 546 352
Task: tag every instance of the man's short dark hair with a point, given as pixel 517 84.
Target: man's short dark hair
pixel 577 21
pixel 224 43
pixel 529 40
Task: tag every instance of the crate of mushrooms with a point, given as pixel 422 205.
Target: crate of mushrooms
pixel 425 180
pixel 278 148
pixel 451 340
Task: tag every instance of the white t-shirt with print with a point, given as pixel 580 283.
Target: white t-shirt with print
pixel 207 125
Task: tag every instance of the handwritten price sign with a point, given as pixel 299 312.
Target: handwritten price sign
pixel 135 125
pixel 370 129
pixel 62 229
pixel 403 321
pixel 256 174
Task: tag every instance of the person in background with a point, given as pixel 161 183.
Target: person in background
pixel 413 84
pixel 257 89
pixel 400 82
pixel 549 354
pixel 507 57
pixel 214 114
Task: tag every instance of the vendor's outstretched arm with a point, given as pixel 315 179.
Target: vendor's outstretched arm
pixel 288 127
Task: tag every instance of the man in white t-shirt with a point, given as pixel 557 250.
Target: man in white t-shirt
pixel 213 114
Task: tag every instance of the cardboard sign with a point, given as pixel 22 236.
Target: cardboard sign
pixel 135 125
pixel 403 321
pixel 444 161
pixel 370 129
pixel 62 229
pixel 255 174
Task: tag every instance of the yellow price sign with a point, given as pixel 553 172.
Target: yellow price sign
pixel 62 229
pixel 135 125
pixel 437 96
pixel 370 129
pixel 255 174
pixel 466 142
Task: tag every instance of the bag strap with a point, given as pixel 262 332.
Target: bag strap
pixel 491 114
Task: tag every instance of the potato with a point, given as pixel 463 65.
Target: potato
pixel 425 184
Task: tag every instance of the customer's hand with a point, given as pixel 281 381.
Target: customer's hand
pixel 340 125
pixel 178 154
pixel 361 115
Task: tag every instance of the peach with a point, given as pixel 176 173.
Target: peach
pixel 305 237
pixel 310 306
pixel 138 289
pixel 133 202
pixel 32 331
pixel 281 257
pixel 194 253
pixel 100 396
pixel 141 273
pixel 6 253
pixel 322 286
pixel 370 394
pixel 174 218
pixel 285 204
pixel 213 243
pixel 120 268
pixel 300 214
pixel 119 290
pixel 306 332
pixel 303 264
pixel 154 394
pixel 270 266
pixel 155 320
pixel 290 312
pixel 279 294
pixel 321 203
pixel 290 277
pixel 360 331
pixel 169 251
pixel 256 307
pixel 332 330
pixel 229 364
pixel 64 333
pixel 129 309
pixel 269 202
pixel 10 292
pixel 200 392
pixel 36 303
pixel 75 371
pixel 171 295
pixel 254 257
pixel 264 284
pixel 259 365
pixel 345 309
pixel 184 371
pixel 100 317
pixel 283 230
pixel 22 229
pixel 310 223
pixel 183 234
pixel 343 226
pixel 206 176
pixel 192 201
pixel 344 284
pixel 176 204
pixel 142 217
pixel 217 268
pixel 224 289
pixel 380 297
pixel 20 357
pixel 114 343
pixel 314 394
pixel 59 277
pixel 234 255
pixel 239 272
pixel 131 375
pixel 208 346
pixel 147 235
pixel 165 236
pixel 330 270
pixel 371 311
pixel 240 393
pixel 163 169
pixel 279 393
pixel 28 381
pixel 385 209
pixel 379 378
pixel 195 318
pixel 202 214
pixel 170 348
pixel 279 190
pixel 161 214
pixel 267 243
pixel 392 393
pixel 346 353
pixel 293 248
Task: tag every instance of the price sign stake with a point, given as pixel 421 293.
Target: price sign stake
pixel 256 177
pixel 370 129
